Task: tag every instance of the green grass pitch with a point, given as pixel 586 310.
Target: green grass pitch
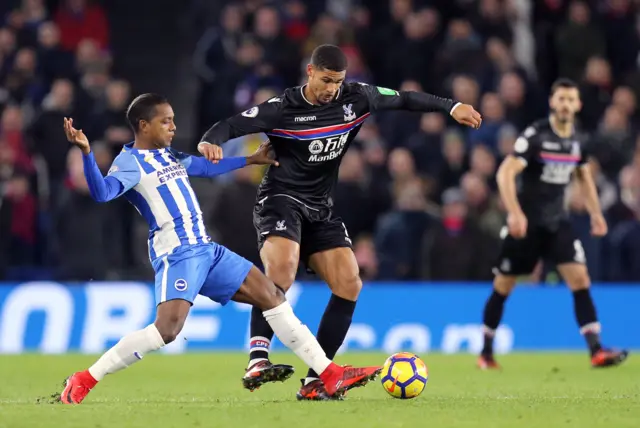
pixel 204 390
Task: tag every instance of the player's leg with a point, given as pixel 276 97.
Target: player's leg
pixel 339 269
pixel 492 316
pixel 517 257
pixel 233 277
pixel 179 277
pixel 280 259
pixel 569 256
pixel 326 249
pixel 278 224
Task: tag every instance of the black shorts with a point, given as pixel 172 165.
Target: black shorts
pixel 315 228
pixel 520 256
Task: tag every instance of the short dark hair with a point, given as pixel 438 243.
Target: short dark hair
pixel 329 57
pixel 143 107
pixel 563 83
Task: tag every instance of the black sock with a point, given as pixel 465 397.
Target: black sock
pixel 491 318
pixel 587 319
pixel 260 328
pixel 334 325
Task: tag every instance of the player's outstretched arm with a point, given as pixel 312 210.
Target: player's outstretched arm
pixel 201 167
pixel 261 118
pixel 102 189
pixel 389 99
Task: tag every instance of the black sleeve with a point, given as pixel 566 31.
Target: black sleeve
pixel 389 99
pixel 527 146
pixel 585 152
pixel 261 118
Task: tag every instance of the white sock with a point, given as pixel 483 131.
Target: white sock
pixel 308 380
pixel 130 349
pixel 296 336
pixel 254 361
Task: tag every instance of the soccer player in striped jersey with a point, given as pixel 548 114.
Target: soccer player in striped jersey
pixel 154 178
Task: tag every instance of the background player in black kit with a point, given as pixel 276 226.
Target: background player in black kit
pixel 546 157
pixel 310 128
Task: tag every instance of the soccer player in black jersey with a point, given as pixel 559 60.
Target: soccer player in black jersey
pixel 546 157
pixel 310 128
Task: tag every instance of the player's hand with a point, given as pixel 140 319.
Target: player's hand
pixel 598 225
pixel 76 136
pixel 263 156
pixel 517 224
pixel 212 152
pixel 467 115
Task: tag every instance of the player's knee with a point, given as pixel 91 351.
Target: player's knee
pixel 169 328
pixel 504 284
pixel 348 285
pixel 282 272
pixel 579 282
pixel 269 296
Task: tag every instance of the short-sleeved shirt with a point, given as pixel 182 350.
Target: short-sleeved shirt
pixel 550 163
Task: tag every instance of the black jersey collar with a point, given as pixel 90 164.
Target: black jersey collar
pixel 555 132
pixel 310 103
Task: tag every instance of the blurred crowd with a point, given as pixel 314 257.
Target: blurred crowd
pixel 55 62
pixel 416 191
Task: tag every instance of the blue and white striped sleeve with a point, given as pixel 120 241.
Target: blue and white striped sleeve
pixel 198 166
pixel 123 175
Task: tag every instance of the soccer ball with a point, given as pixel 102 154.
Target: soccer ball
pixel 404 375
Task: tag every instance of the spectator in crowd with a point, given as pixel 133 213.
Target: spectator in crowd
pixel 399 233
pixel 483 207
pixel 507 136
pixel 216 48
pixel 455 160
pixel 578 40
pixel 53 61
pixel 22 81
pixel 109 120
pixel 619 23
pixel 48 141
pixel 353 199
pixel 613 144
pixel 26 19
pixel 83 255
pixel 426 144
pixel 81 20
pixel 365 252
pixel 462 50
pixel 625 99
pixel 512 91
pixel 595 92
pixel 18 211
pixel 493 119
pixel 454 249
pixel 625 208
pixel 491 20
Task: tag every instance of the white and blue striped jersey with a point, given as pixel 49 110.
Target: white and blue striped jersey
pixel 157 184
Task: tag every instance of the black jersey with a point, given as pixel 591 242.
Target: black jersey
pixel 550 163
pixel 310 140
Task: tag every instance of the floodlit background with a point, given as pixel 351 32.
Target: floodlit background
pixel 417 192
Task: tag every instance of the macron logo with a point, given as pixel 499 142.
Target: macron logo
pixel 305 118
